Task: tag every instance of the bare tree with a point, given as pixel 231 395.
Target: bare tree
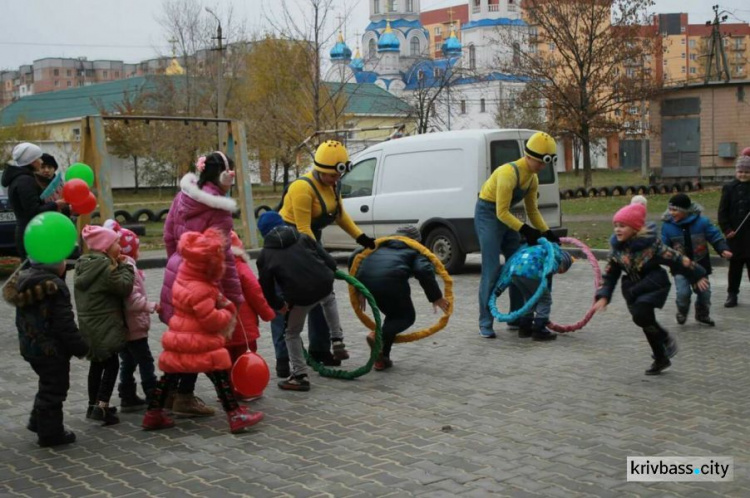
pixel 523 109
pixel 586 60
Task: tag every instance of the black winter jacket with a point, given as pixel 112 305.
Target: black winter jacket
pixel 389 268
pixel 733 207
pixel 44 316
pixel 298 265
pixel 23 195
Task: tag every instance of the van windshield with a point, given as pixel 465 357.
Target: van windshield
pixel 505 151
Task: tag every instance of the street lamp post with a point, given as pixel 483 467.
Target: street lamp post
pixel 219 80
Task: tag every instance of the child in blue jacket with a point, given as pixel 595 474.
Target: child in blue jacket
pixel 687 231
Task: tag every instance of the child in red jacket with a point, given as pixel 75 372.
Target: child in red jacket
pixel 195 340
pixel 246 332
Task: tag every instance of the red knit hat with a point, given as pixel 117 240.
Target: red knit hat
pixel 129 241
pixel 632 215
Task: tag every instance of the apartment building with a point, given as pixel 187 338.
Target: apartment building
pixel 439 22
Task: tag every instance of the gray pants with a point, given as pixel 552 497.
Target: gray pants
pixel 295 322
pixel 527 287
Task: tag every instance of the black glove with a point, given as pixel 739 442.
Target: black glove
pixel 366 241
pixel 530 234
pixel 550 236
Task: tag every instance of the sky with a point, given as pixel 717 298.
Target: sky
pixel 130 30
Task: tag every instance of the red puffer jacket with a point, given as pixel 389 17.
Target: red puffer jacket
pixel 203 318
pixel 255 303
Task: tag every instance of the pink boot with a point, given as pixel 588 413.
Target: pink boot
pixel 241 418
pixel 156 419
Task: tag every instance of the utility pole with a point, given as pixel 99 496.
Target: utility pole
pixel 219 81
pixel 644 135
pixel 716 48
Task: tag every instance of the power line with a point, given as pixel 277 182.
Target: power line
pixel 91 45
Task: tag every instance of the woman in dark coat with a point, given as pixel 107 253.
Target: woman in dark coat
pixel 734 208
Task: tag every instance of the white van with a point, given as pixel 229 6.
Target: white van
pixel 432 181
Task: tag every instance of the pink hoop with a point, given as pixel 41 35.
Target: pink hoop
pixel 597 282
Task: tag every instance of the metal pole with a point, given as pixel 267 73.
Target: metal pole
pixel 644 150
pixel 219 82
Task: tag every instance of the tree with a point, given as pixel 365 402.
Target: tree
pixel 10 136
pixel 522 109
pixel 587 64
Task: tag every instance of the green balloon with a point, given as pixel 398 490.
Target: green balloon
pixel 50 237
pixel 82 171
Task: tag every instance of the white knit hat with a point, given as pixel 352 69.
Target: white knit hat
pixel 25 154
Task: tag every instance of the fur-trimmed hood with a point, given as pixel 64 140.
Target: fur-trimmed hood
pixel 240 252
pixel 694 211
pixel 210 195
pixel 30 286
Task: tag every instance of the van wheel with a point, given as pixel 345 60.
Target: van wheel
pixel 444 245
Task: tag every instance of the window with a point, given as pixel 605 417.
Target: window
pixel 683 69
pixel 693 57
pixel 738 44
pixel 633 110
pixel 117 74
pixel 105 74
pixel 438 72
pixel 376 6
pixel 682 41
pixel 472 57
pixel 516 54
pixel 358 182
pixel 463 107
pixel 69 73
pixel 438 30
pixel 409 5
pixel 683 55
pixel 482 106
pixel 371 50
pixel 414 46
pixel 739 69
pixel 420 75
pixel 691 44
pixel 630 72
pixel 682 29
pixel 551 47
pixel 618 112
pixel 392 5
pixel 57 83
pixel 70 83
pixel 56 72
pixel 433 109
pixel 693 70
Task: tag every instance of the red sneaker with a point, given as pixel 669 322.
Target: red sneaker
pixel 382 363
pixel 242 418
pixel 157 419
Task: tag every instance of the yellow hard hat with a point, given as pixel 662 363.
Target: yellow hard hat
pixel 542 147
pixel 332 157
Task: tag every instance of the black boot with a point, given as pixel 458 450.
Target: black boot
pixel 658 365
pixel 525 324
pixel 702 315
pixel 663 346
pixel 731 301
pixel 32 424
pixel 325 358
pixel 65 437
pixel 540 332
pixel 282 368
pixel 681 315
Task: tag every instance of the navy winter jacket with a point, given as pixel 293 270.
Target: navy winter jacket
pixel 691 235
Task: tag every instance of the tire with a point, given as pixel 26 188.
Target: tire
pixel 631 190
pixel 444 245
pixel 581 192
pixel 653 189
pixel 618 190
pixel 605 192
pixel 136 228
pixel 663 189
pixel 641 189
pixel 123 216
pixel 697 186
pixel 95 215
pixel 592 192
pixel 687 186
pixel 260 210
pixel 675 188
pixel 161 215
pixel 569 193
pixel 141 213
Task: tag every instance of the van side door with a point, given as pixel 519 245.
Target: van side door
pixel 357 191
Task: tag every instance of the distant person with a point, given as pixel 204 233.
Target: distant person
pixel 24 191
pixel 734 211
pixel 500 232
pixel 637 254
pixel 48 338
pixel 687 231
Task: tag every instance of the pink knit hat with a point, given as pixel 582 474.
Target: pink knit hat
pixel 745 151
pixel 99 238
pixel 632 215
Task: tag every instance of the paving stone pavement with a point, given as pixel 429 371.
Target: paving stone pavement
pixel 457 415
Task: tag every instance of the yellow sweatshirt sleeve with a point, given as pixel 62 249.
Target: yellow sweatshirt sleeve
pixel 300 198
pixel 505 182
pixel 532 206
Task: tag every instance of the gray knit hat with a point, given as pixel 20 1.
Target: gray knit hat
pixel 25 154
pixel 409 231
pixel 743 164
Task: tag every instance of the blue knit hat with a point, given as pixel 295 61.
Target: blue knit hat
pixel 268 221
pixel 566 260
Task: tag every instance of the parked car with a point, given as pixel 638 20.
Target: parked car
pixel 7 226
pixel 432 181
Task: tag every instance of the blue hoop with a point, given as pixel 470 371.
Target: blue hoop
pixel 503 282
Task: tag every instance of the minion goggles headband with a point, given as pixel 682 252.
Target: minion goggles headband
pixel 339 168
pixel 545 158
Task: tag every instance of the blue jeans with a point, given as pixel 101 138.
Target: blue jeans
pixel 495 238
pixel 527 287
pixel 684 291
pixel 136 354
pixel 319 335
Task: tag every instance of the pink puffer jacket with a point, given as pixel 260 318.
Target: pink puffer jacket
pixel 195 210
pixel 137 307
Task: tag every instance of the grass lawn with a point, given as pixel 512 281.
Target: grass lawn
pixel 657 203
pixel 602 178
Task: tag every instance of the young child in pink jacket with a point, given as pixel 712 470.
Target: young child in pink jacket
pixel 138 310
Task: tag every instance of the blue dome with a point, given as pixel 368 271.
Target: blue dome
pixel 388 41
pixel 357 63
pixel 451 47
pixel 340 52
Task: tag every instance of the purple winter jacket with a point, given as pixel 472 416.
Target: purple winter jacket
pixel 195 210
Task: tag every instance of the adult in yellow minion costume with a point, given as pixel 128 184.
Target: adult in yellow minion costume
pixel 311 203
pixel 498 230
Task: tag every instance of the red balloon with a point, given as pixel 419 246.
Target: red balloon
pixel 250 374
pixel 75 191
pixel 87 206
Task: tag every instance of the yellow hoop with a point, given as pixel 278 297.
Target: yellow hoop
pixel 439 269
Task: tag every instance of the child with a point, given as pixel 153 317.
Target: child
pixel 304 273
pixel 734 209
pixel 525 267
pixel 194 342
pixel 246 332
pixel 686 231
pixel 48 337
pixel 138 308
pixel 637 251
pixel 102 283
pixel 386 273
